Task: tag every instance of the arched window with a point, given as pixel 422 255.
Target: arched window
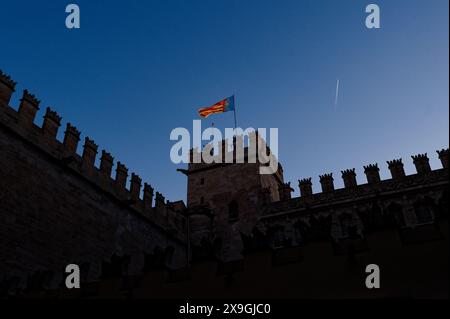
pixel 233 210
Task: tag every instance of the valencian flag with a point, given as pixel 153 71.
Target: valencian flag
pixel 225 105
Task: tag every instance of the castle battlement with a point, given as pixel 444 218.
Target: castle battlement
pixel 46 182
pixel 64 153
pixel 421 162
pixel 424 180
pixel 233 151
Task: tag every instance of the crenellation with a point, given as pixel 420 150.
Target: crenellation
pixel 148 196
pixel 121 175
pixel 135 186
pixel 159 201
pixel 52 122
pixel 242 203
pixel 396 168
pixel 305 186
pixel 106 164
pixel 372 173
pixel 285 191
pixel 7 88
pixel 443 156
pixel 71 139
pixel 89 152
pixel 231 151
pixel 327 182
pixel 82 187
pixel 422 163
pixel 349 177
pixel 29 105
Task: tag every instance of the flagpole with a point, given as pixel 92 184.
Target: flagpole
pixel 234 111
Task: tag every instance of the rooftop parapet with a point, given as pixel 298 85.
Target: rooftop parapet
pixel 285 191
pixel 327 182
pixel 349 177
pixel 71 139
pixel 52 122
pixel 148 196
pixel 422 163
pixel 396 168
pixel 135 186
pixel 372 173
pixel 305 186
pixel 7 88
pixel 21 122
pixel 29 105
pixel 89 152
pixel 106 164
pixel 159 201
pixel 230 151
pixel 121 175
pixel 443 156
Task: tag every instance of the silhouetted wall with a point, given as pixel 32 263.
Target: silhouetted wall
pixel 57 208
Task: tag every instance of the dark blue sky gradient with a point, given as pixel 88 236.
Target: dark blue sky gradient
pixel 137 69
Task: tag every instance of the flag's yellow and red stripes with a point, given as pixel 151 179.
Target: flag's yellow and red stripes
pixel 225 105
pixel 216 108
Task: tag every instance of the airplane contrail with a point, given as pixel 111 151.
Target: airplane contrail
pixel 337 93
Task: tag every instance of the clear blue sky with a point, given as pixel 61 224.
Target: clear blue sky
pixel 137 69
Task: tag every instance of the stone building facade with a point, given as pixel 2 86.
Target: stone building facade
pixel 238 226
pixel 57 208
pixel 242 213
pixel 225 200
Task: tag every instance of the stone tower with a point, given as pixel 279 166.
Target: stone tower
pixel 226 199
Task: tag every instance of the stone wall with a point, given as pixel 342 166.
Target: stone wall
pixel 313 270
pixel 57 208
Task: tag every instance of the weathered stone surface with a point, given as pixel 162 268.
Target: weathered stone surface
pixel 54 211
